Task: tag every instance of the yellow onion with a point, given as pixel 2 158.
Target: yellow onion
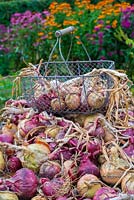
pixel 34 156
pixel 88 185
pixel 72 101
pixel 2 161
pixel 52 130
pixel 108 136
pixel 127 183
pixel 111 172
pixel 96 100
pixel 90 119
pixel 38 197
pixel 58 104
pixel 6 195
pixel 9 128
pixel 79 118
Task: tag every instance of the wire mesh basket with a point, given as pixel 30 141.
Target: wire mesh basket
pixel 63 87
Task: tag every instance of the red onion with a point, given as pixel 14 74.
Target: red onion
pixel 94 148
pixel 13 164
pixel 6 138
pixel 63 123
pixel 70 169
pixel 27 125
pixel 105 193
pixel 49 169
pixel 129 150
pixel 95 129
pixel 57 155
pixel 128 132
pixel 87 167
pixel 61 198
pixel 52 187
pixel 16 103
pixel 23 183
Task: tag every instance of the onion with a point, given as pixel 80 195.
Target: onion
pixel 53 187
pixel 88 185
pixel 130 151
pixel 9 128
pixel 105 193
pixel 16 103
pixel 90 119
pixel 127 183
pixel 111 172
pixel 61 198
pixel 70 169
pixel 6 195
pixel 49 169
pixel 38 197
pixel 34 156
pixel 72 101
pixel 96 99
pixel 5 137
pixel 2 161
pixel 13 164
pixel 87 167
pixel 128 132
pixel 23 183
pixel 52 130
pixel 65 151
pixel 94 148
pixel 108 136
pixel 58 104
pixel 27 125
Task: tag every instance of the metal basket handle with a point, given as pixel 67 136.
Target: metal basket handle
pixel 64 31
pixel 59 34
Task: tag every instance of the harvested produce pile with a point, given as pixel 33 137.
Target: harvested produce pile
pixel 46 157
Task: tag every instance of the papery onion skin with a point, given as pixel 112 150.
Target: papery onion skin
pixel 85 190
pixel 70 169
pixel 2 161
pixel 105 193
pixel 7 195
pixel 127 183
pixel 49 169
pixel 23 183
pixel 38 197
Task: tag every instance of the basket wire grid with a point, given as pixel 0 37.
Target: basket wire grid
pixel 60 74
